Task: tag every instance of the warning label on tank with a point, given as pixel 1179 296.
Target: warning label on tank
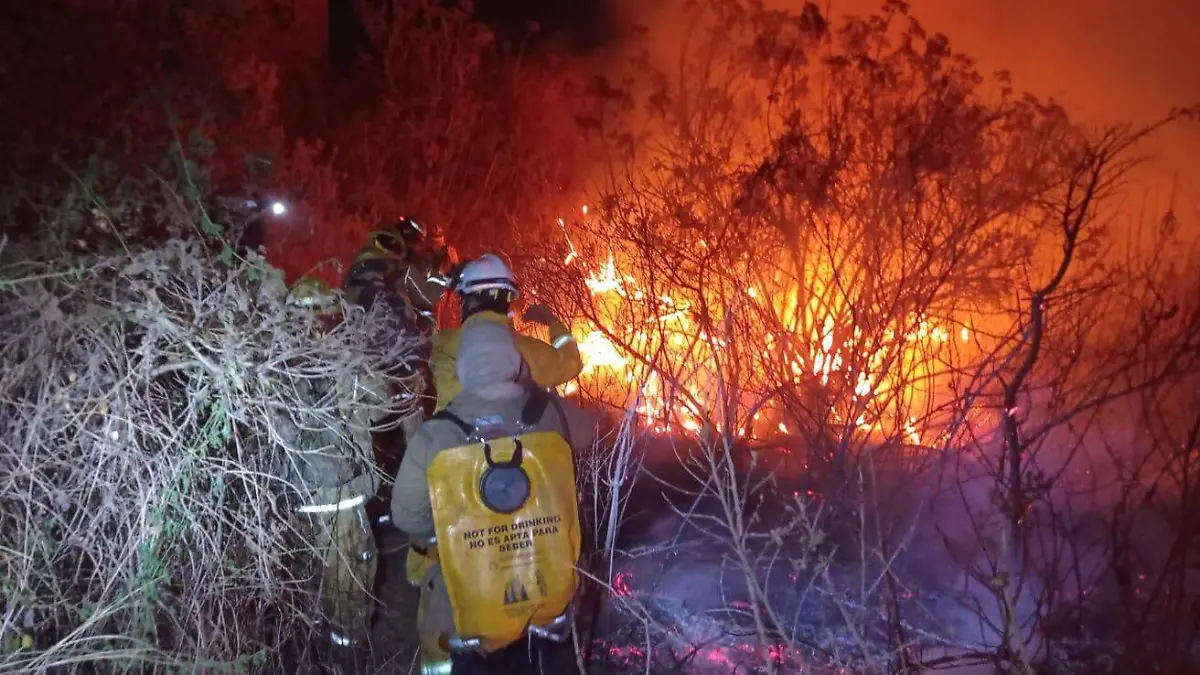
pixel 512 537
pixel 506 572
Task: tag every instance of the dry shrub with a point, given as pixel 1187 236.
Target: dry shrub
pixel 159 411
pixel 804 280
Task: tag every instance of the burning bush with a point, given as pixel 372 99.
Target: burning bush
pixel 158 404
pixel 839 201
pixel 864 288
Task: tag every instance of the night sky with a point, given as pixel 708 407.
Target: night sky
pixel 1107 60
pixel 578 25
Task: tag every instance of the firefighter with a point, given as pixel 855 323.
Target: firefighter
pixel 402 266
pixel 486 290
pixel 408 272
pixel 477 516
pixel 334 467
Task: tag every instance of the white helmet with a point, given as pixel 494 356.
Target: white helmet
pixel 487 272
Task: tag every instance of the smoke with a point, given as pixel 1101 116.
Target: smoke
pixel 1106 61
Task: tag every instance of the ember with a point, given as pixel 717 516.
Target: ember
pixel 703 657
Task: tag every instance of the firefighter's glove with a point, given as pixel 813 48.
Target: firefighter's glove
pixel 540 314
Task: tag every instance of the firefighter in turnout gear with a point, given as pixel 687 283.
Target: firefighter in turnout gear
pixel 403 267
pixel 334 466
pixel 408 272
pixel 486 289
pixel 488 489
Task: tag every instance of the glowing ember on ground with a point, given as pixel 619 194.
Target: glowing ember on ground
pixel 723 657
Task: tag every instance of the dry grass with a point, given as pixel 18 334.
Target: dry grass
pixel 157 414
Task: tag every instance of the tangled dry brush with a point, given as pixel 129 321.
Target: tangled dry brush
pixel 158 410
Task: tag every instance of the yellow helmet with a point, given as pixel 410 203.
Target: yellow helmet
pixel 393 242
pixel 315 294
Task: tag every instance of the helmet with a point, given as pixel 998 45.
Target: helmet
pixel 486 273
pixel 315 294
pixel 393 241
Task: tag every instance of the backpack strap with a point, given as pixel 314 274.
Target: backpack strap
pixel 535 407
pixel 566 428
pixel 531 414
pixel 457 421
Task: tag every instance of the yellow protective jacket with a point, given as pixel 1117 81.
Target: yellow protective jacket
pixel 550 365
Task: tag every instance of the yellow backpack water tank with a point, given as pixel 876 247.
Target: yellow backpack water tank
pixel 506 518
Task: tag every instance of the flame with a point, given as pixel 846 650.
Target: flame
pixel 570 245
pixel 624 349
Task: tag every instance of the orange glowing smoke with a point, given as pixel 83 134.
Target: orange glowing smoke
pixel 648 352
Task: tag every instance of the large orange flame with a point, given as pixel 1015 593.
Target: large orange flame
pixel 887 376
